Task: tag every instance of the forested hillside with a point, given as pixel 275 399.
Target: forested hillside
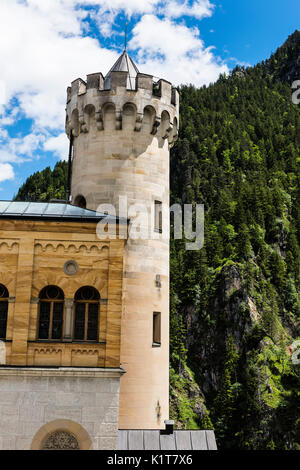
pixel 235 305
pixel 45 185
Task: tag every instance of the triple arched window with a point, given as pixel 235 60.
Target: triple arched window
pixel 52 316
pixel 3 310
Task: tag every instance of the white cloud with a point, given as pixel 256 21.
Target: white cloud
pixel 170 39
pixel 106 11
pixel 45 48
pixel 7 156
pixel 43 53
pixel 2 95
pixel 130 7
pixel 19 149
pixel 47 45
pixel 174 52
pixel 198 9
pixel 6 172
pixel 3 132
pixel 6 121
pixel 58 145
pixel 61 14
pixel 26 145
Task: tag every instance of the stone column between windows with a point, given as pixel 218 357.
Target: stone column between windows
pixel 10 317
pixel 68 323
pixel 23 297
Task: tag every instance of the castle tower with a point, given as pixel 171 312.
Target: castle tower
pixel 122 127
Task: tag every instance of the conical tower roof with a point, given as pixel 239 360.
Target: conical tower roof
pixel 123 64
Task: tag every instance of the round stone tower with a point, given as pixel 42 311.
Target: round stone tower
pixel 122 127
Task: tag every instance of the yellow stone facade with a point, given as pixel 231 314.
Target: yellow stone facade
pixel 32 256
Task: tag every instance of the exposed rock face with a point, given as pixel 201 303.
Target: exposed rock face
pixel 235 314
pixel 232 312
pixel 187 403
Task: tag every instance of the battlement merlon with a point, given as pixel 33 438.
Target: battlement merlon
pixel 90 97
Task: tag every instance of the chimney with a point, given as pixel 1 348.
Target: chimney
pixel 169 426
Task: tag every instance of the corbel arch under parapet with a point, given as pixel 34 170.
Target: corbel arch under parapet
pixel 149 115
pixel 129 113
pixel 89 117
pixel 109 116
pixel 166 126
pixel 174 134
pixel 75 122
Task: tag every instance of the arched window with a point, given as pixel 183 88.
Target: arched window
pixel 3 310
pixel 86 314
pixel 51 313
pixel 80 201
pixel 61 440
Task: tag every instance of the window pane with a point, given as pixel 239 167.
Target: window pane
pixel 92 333
pixel 156 328
pixel 44 320
pixel 57 321
pixel 158 216
pixel 3 319
pixel 87 293
pixel 79 321
pixel 51 292
pixel 3 292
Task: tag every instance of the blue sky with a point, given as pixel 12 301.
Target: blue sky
pixel 45 44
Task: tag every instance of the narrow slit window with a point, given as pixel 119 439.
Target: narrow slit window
pixel 158 216
pixel 156 329
pixel 3 311
pixel 80 201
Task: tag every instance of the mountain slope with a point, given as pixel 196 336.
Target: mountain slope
pixel 284 65
pixel 235 303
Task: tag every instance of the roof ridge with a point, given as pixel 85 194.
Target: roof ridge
pixel 51 210
pixel 126 64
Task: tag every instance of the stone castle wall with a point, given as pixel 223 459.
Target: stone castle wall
pixel 35 402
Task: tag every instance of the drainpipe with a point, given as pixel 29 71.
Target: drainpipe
pixel 70 167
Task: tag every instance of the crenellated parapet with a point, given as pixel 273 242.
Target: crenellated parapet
pixel 152 108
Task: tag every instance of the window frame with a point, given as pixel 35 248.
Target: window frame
pixel 80 201
pixel 87 302
pixel 50 328
pixel 5 300
pixel 157 216
pixel 156 329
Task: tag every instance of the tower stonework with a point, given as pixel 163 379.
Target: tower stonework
pixel 122 127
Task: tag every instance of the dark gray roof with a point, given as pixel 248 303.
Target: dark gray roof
pixel 159 440
pixel 49 211
pixel 123 64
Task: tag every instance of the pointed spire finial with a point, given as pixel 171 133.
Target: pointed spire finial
pixel 126 36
